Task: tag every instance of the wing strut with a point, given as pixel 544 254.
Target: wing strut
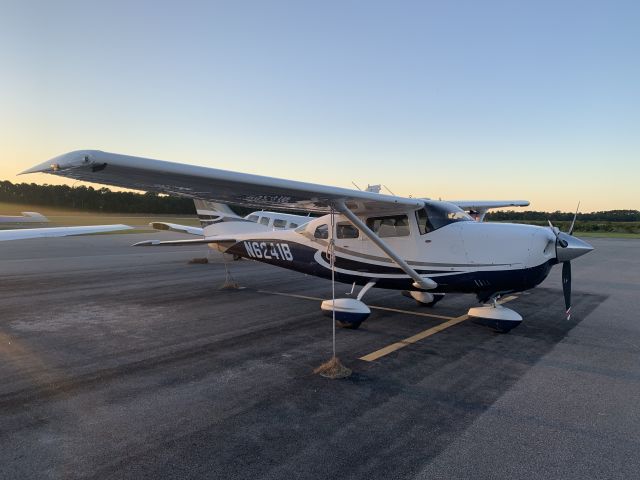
pixel 420 282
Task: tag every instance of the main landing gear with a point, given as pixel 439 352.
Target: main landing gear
pixel 350 312
pixel 496 316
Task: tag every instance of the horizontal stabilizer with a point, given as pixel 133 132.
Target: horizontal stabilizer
pixel 174 227
pixel 195 241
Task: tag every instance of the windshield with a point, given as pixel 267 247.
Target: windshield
pixel 437 215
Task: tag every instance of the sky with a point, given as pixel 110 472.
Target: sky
pixel 536 100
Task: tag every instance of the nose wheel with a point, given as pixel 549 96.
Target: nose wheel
pixel 496 316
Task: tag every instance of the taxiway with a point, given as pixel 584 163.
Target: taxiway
pixel 121 362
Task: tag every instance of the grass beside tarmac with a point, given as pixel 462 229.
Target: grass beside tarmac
pixel 140 222
pixel 70 218
pixel 607 235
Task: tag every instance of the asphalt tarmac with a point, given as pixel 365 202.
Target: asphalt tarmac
pixel 121 362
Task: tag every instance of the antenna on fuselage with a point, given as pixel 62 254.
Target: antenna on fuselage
pixel 389 190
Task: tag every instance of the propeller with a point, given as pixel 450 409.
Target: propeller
pixel 566 287
pixel 566 265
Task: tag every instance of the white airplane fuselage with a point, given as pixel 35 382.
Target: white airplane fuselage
pixel 388 241
pixel 462 256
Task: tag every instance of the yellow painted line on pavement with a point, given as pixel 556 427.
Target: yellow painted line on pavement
pixel 373 307
pixel 294 295
pixel 422 335
pixel 419 314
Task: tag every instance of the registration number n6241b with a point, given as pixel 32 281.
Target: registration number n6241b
pixel 269 250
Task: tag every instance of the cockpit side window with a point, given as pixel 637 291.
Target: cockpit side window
pixel 424 225
pixel 346 230
pixel 322 231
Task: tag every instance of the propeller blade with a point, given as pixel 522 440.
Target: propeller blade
pixel 560 241
pixel 566 287
pixel 573 222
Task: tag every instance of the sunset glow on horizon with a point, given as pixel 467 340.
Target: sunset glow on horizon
pixel 494 101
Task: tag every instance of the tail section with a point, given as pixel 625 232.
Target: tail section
pixel 210 213
pixel 218 219
pixel 215 219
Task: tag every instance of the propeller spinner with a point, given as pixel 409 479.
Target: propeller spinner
pixel 568 247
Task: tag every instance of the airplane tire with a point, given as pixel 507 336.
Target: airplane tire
pixel 497 326
pixel 349 325
pixel 502 331
pixel 436 299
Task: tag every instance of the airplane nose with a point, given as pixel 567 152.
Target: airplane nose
pixel 574 249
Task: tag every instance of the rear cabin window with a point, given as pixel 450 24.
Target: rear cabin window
pixel 293 225
pixel 253 218
pixel 264 220
pixel 322 231
pixel 346 230
pixel 391 226
pixel 279 223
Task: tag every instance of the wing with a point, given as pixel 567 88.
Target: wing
pixel 213 184
pixel 196 241
pixel 478 208
pixel 25 233
pixel 480 205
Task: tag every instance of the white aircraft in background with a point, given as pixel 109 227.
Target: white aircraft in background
pixel 427 247
pixel 26 233
pixel 26 217
pixel 48 232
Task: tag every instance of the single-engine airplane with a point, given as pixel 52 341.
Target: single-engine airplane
pixel 425 246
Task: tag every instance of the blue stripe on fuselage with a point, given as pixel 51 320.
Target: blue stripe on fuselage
pixel 461 282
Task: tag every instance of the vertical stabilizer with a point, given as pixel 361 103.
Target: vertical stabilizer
pixel 210 213
pixel 219 219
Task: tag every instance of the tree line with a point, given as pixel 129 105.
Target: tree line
pixel 93 200
pixel 557 216
pixel 104 200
